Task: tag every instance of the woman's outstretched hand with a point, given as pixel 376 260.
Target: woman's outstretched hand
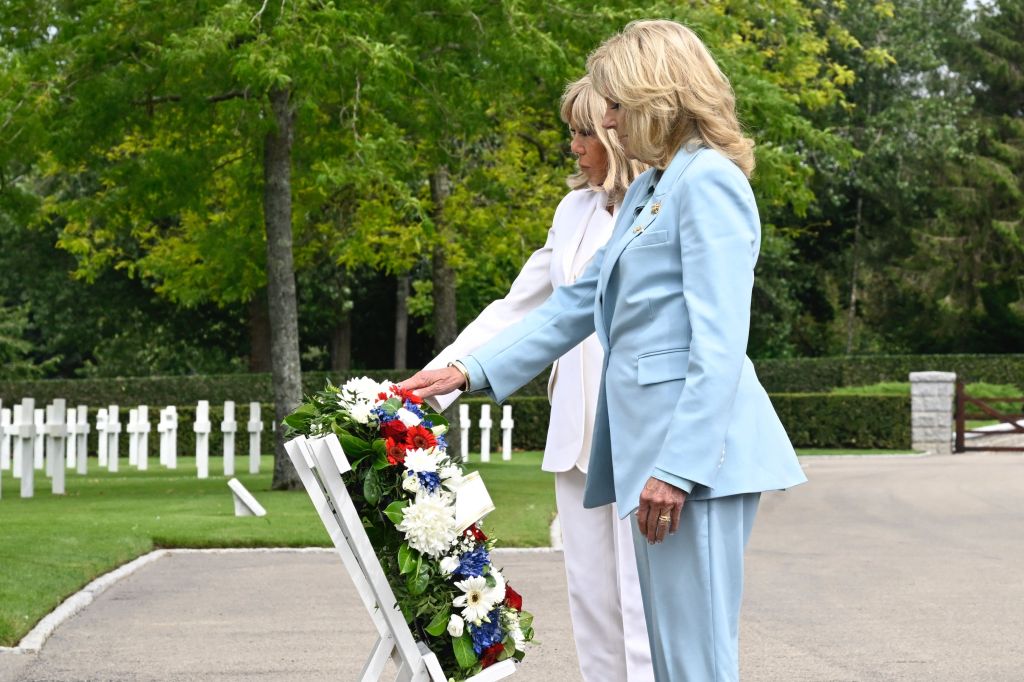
pixel 431 382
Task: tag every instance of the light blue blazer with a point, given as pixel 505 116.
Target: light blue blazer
pixel 669 298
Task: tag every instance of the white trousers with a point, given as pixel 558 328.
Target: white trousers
pixel 605 603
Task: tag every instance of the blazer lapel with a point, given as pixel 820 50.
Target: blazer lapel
pixel 636 226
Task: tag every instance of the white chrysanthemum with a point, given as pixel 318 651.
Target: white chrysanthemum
pixel 363 389
pixel 408 417
pixel 360 412
pixel 422 461
pixel 496 594
pixel 449 564
pixel 451 477
pixel 456 626
pixel 475 599
pixel 429 524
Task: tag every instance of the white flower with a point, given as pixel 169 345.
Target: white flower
pixel 456 625
pixel 429 524
pixel 408 417
pixel 449 564
pixel 411 482
pixel 518 637
pixel 422 461
pixel 439 430
pixel 363 389
pixel 475 599
pixel 360 412
pixel 496 594
pixel 449 471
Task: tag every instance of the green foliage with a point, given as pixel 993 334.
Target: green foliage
pixel 853 421
pixel 15 350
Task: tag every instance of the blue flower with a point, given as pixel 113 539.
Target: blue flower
pixel 472 564
pixel 442 442
pixel 429 480
pixel 487 633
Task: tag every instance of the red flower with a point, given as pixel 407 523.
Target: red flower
pixel 393 429
pixel 404 394
pixel 513 599
pixel 477 534
pixel 420 437
pixel 396 451
pixel 490 655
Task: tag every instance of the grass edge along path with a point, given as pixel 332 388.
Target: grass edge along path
pixel 52 546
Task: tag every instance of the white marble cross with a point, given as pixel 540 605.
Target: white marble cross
pixel 82 436
pixel 485 433
pixel 5 437
pixel 113 432
pixel 24 440
pixel 255 428
pixel 71 446
pixel 39 442
pixel 143 429
pixel 228 427
pixel 245 503
pixel 506 432
pixel 56 433
pixel 464 424
pixel 202 428
pixel 101 437
pixel 168 428
pixel 132 429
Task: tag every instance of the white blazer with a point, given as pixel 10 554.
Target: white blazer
pixel 581 226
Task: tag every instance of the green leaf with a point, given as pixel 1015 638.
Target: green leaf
pixel 418 582
pixel 406 559
pixel 439 623
pixel 525 620
pixel 464 654
pixel 372 487
pixel 352 445
pixel 394 511
pixel 300 418
pixel 392 405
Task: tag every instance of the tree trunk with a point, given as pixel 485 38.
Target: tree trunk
pixel 259 333
pixel 445 324
pixel 401 322
pixel 341 335
pixel 851 312
pixel 283 308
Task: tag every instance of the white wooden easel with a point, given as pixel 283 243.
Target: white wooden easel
pixel 320 462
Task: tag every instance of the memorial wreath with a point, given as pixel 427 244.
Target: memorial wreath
pixel 422 513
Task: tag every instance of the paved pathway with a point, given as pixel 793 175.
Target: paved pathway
pixel 879 569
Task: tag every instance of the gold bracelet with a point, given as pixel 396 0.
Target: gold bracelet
pixel 465 373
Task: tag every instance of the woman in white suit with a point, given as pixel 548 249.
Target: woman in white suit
pixel 604 591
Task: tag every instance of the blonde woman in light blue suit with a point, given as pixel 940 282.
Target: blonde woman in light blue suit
pixel 685 437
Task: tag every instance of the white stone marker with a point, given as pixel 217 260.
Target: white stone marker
pixel 71 447
pixel 144 428
pixel 113 432
pixel 245 503
pixel 202 428
pixel 485 433
pixel 931 411
pixel 132 429
pixel 228 427
pixel 101 436
pixel 82 436
pixel 16 450
pixel 464 424
pixel 506 433
pixel 25 437
pixel 39 438
pixel 56 433
pixel 168 428
pixel 255 428
pixel 5 438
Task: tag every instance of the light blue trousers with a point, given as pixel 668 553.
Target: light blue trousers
pixel 692 585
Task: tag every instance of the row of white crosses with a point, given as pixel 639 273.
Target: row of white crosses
pixel 56 438
pixel 485 425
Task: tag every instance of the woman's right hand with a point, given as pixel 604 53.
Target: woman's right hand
pixel 431 382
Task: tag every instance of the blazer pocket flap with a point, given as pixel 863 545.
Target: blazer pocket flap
pixel 664 365
pixel 648 238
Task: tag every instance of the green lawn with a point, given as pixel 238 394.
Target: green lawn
pixel 848 451
pixel 52 546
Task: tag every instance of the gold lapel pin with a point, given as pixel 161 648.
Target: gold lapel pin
pixel 638 229
pixel 655 208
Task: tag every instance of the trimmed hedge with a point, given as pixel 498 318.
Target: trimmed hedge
pixel 185 390
pixel 823 374
pixel 812 420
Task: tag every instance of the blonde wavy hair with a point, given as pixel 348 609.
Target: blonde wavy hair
pixel 672 91
pixel 583 109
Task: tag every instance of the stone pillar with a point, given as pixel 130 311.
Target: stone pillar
pixel 931 411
